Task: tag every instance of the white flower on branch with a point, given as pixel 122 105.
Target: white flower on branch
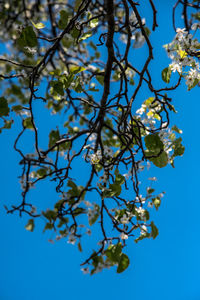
pixel 71 239
pixel 123 236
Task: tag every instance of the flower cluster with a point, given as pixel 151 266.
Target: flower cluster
pixel 182 51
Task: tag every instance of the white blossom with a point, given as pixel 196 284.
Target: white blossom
pixel 93 137
pixel 152 178
pixel 150 204
pixel 176 67
pixel 124 219
pixel 33 209
pixel 103 178
pixel 123 236
pixel 85 270
pixel 179 51
pixel 95 157
pixel 195 26
pixel 71 239
pixel 87 203
pixel 143 229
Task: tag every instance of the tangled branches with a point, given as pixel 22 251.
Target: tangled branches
pixel 77 59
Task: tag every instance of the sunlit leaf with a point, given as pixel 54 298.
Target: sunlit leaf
pixel 30 225
pixel 86 35
pixel 94 22
pixel 38 25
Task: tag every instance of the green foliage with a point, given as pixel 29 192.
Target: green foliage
pixel 166 74
pixel 64 15
pixel 4 109
pixel 38 25
pixel 154 230
pixel 155 152
pixel 160 161
pixel 54 136
pixel 27 37
pixel 123 263
pixel 153 143
pixel 116 257
pixel 28 123
pixel 30 225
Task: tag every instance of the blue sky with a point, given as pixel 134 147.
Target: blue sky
pixel 166 268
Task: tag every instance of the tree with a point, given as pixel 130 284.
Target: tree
pixel 75 59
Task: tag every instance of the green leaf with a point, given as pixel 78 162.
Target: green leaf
pixel 96 260
pixel 114 252
pixel 59 204
pixel 54 136
pixel 71 184
pixel 50 214
pixel 48 226
pixel 4 109
pixel 38 25
pixel 196 81
pixel 92 45
pixel 149 101
pixel 75 33
pixel 119 179
pixel 147 30
pixel 154 230
pixel 94 219
pixel 58 87
pixel 95 216
pixel 41 172
pixel 17 108
pixel 160 161
pixel 156 201
pixel 86 35
pixel 28 37
pixel 166 74
pixel 123 263
pixel 77 4
pixel 30 225
pixel 179 149
pixel 153 143
pixel 76 69
pixel 114 190
pixel 78 211
pixel 78 87
pixel 100 79
pixel 62 222
pixel 142 237
pixel 150 190
pixel 94 22
pixel 28 123
pixel 171 107
pixel 62 23
pixel 176 129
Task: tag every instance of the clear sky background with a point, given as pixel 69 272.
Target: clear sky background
pixel 167 268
